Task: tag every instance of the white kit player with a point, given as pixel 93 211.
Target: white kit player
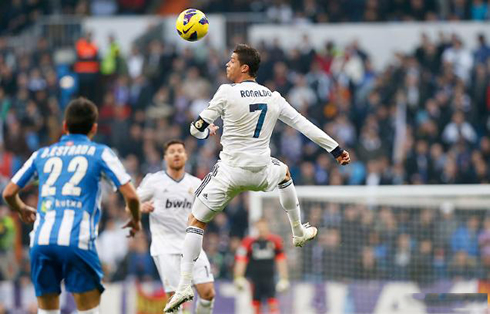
pixel 249 112
pixel 167 197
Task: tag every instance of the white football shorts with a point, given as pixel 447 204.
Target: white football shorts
pixel 222 184
pixel 168 266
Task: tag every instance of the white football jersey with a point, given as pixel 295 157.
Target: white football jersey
pixel 249 112
pixel 173 203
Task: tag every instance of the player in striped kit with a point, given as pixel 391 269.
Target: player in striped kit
pixel 68 211
pixel 249 112
pixel 168 197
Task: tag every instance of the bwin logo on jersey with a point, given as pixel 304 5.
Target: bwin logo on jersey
pixel 178 204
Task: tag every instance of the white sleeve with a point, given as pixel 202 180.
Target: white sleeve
pixel 216 105
pixel 294 119
pixel 25 174
pixel 145 189
pixel 113 168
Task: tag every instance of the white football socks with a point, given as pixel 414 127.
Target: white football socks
pixel 95 310
pixel 190 254
pixel 289 201
pixel 41 311
pixel 204 306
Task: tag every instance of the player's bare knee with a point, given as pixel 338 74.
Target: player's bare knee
pixel 194 222
pixel 287 177
pixel 49 302
pixel 87 300
pixel 208 294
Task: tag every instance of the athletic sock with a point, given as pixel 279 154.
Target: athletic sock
pixel 289 201
pixel 95 310
pixel 190 254
pixel 204 306
pixel 41 311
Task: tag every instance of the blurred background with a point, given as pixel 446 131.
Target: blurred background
pixel 403 85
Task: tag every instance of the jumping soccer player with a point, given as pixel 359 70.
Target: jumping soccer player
pixel 249 112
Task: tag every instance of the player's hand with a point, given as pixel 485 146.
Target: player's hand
pixel 27 214
pixel 213 129
pixel 147 207
pixel 240 283
pixel 134 227
pixel 344 158
pixel 282 285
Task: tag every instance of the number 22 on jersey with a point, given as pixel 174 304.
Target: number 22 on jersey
pixel 260 122
pixel 53 166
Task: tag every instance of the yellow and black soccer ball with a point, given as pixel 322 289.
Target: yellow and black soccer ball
pixel 192 25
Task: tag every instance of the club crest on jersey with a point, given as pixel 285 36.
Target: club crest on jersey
pixel 199 124
pixel 46 205
pixel 191 191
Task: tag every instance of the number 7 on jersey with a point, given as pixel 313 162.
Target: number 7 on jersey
pixel 263 108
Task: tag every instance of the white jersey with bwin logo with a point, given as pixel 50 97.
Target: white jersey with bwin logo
pixel 173 202
pixel 249 112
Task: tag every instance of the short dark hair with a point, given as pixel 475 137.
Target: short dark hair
pixel 249 56
pixel 170 143
pixel 80 116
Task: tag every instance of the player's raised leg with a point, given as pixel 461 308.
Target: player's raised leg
pixel 289 201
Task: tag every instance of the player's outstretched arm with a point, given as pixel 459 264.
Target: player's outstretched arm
pixel 11 196
pixel 133 204
pixel 294 119
pixel 344 158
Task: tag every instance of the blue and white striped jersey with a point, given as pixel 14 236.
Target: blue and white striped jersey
pixel 70 174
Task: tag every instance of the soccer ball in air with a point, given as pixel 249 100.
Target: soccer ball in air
pixel 192 25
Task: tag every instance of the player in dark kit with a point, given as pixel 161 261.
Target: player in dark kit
pixel 261 253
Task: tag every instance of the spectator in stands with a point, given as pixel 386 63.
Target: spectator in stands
pixel 87 66
pixel 479 10
pixel 421 268
pixel 112 255
pixel 458 130
pixel 482 53
pixel 484 245
pixel 462 266
pixel 402 257
pixel 350 233
pixel 465 238
pixel 7 237
pixel 445 226
pixel 330 243
pixel 139 262
pixel 459 58
pixel 368 268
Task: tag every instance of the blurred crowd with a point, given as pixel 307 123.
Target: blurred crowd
pixel 335 11
pixel 422 245
pixel 424 119
pixel 16 15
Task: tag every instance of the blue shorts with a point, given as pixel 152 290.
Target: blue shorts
pixel 80 269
